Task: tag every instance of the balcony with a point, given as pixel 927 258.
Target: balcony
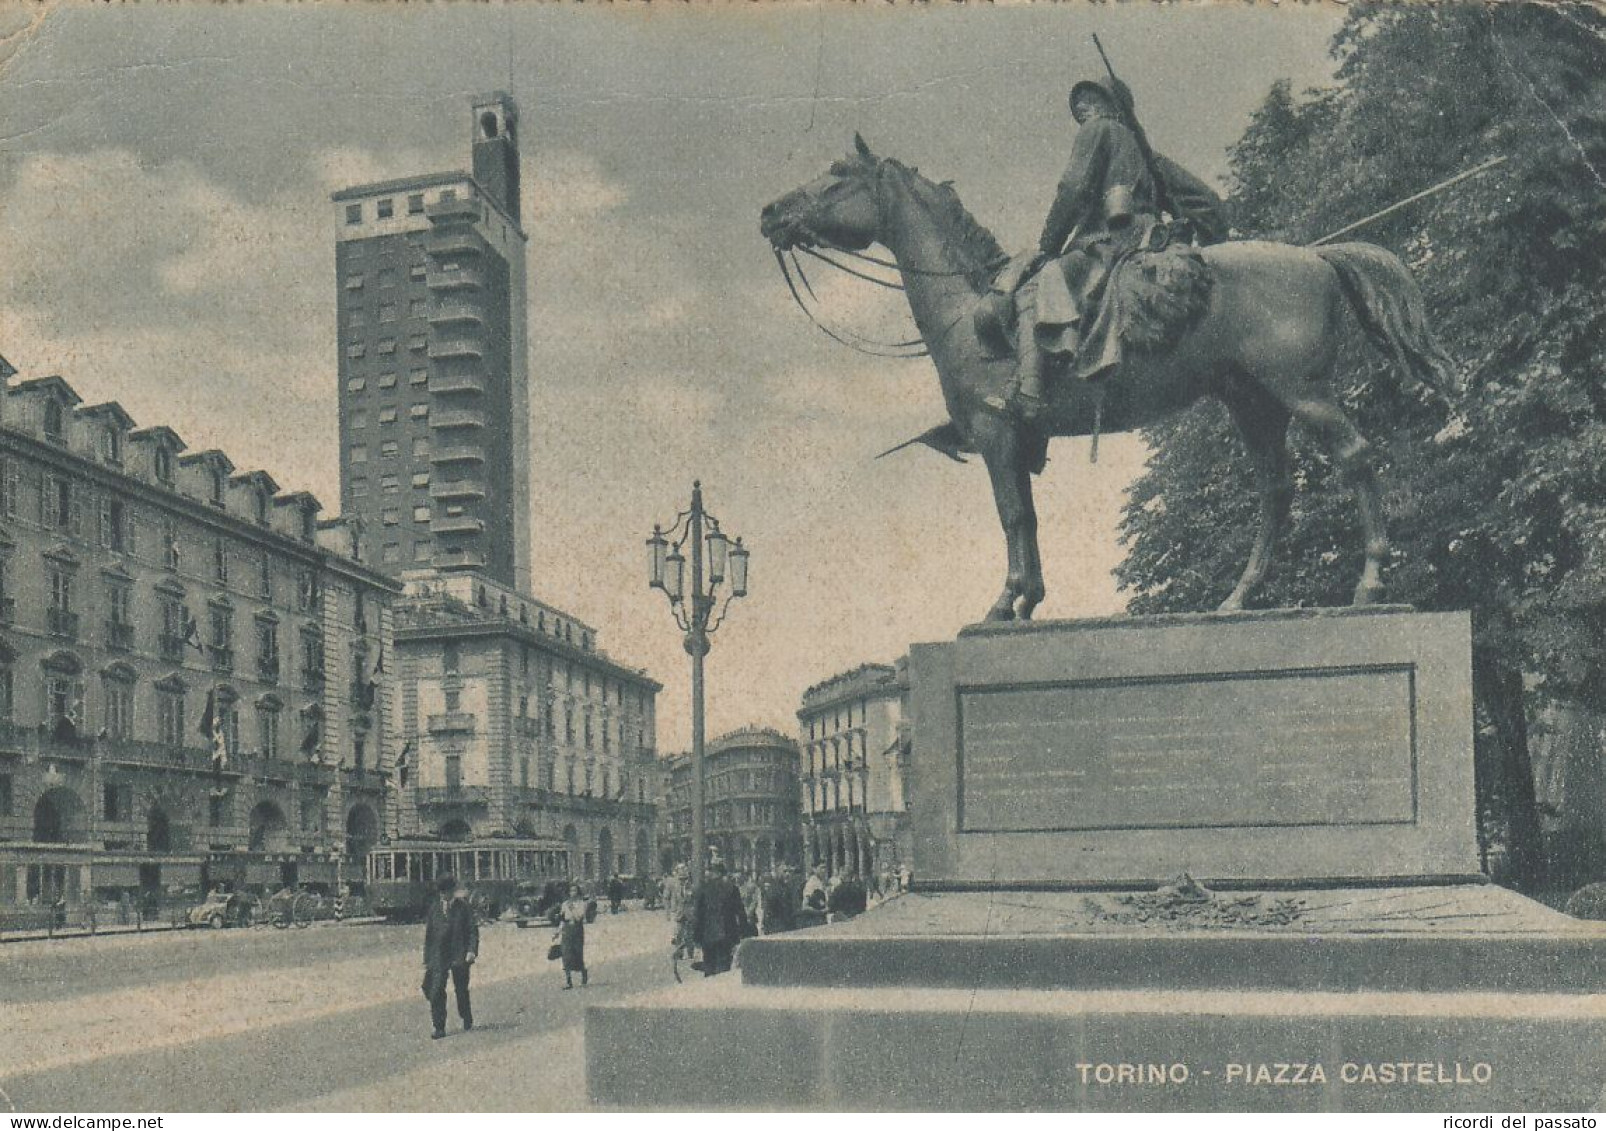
pixel 454 795
pixel 14 737
pixel 461 524
pixel 312 679
pixel 119 636
pixel 458 241
pixel 315 773
pixel 130 752
pixel 449 312
pixel 451 722
pixel 445 489
pixel 456 347
pixel 447 282
pixel 64 747
pixel 447 383
pixel 458 418
pixel 222 658
pixel 276 770
pixel 171 647
pixel 268 669
pixel 458 208
pixel 63 623
pixel 458 453
pixel 8 610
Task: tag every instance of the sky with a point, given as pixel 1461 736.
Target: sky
pixel 168 243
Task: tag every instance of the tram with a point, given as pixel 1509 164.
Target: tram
pixel 401 875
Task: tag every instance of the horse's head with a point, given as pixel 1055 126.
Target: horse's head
pixel 838 209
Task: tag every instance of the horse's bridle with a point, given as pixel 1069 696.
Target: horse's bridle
pixel 915 347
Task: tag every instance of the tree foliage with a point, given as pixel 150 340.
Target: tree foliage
pixel 1497 504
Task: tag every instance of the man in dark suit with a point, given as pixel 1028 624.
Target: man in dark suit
pixel 719 921
pixel 451 943
pixel 848 898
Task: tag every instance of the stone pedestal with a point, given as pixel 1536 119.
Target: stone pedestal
pixel 1314 768
pixel 1442 999
pixel 1288 747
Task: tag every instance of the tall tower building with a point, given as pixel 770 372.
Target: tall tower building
pixel 434 390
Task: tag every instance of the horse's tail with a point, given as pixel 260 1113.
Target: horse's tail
pixel 1389 306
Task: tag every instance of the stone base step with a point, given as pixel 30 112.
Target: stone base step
pixel 720 1044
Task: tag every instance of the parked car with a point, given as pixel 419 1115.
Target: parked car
pixel 223 909
pixel 536 903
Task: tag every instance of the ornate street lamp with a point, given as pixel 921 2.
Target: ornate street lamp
pixel 718 576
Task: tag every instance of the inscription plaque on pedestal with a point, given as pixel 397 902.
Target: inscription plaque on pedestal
pixel 1279 746
pixel 1320 748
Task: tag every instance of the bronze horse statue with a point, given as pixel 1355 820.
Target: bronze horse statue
pixel 1265 345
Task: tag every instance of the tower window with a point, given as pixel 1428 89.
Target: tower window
pixel 488 124
pixel 354 214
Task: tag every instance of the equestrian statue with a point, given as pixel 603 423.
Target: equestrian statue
pixel 1131 306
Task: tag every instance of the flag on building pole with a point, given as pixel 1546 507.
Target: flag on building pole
pixel 368 689
pixel 213 731
pixel 192 635
pixel 309 742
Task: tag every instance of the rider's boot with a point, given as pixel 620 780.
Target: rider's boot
pixel 1024 400
pixel 1028 402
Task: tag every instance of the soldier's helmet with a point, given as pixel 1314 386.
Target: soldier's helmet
pixel 1113 91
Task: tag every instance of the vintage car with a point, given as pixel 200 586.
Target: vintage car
pixel 538 903
pixel 223 909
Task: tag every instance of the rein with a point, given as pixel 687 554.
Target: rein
pixel 903 351
pixel 897 350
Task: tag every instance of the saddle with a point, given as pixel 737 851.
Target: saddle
pixel 1149 299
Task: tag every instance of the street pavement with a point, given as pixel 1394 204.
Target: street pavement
pixel 330 1018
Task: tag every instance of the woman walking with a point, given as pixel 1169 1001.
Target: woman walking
pixel 572 937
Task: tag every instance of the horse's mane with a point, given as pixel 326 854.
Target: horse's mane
pixel 984 256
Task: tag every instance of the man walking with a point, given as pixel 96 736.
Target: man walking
pixel 451 943
pixel 718 920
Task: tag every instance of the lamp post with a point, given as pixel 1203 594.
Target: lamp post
pixel 698 610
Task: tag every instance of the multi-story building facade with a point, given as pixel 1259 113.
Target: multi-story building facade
pixel 750 794
pixel 855 770
pixel 434 400
pixel 520 726
pixel 187 666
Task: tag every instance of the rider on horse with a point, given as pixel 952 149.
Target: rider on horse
pixel 1108 206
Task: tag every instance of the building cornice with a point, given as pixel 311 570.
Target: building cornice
pixel 411 634
pixel 868 681
pixel 427 180
pixel 194 510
